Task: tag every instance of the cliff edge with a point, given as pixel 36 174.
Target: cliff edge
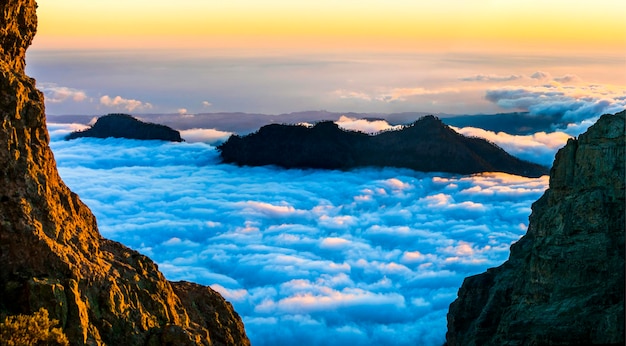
pixel 51 253
pixel 563 283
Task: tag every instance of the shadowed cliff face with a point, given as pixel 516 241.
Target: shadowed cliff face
pixel 564 281
pixel 51 254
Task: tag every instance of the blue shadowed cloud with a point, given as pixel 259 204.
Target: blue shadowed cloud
pixel 370 256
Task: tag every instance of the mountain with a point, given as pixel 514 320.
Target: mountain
pixel 426 145
pixel 244 123
pixel 51 253
pixel 126 126
pixel 563 283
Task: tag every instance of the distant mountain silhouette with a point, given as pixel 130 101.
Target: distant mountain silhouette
pixel 427 145
pixel 522 123
pixel 126 126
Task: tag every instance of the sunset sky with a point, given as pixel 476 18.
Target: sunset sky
pixel 372 256
pixel 326 24
pixel 275 56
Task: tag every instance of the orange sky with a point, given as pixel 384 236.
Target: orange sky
pixel 324 24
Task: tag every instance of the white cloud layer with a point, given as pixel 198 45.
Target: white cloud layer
pixel 539 147
pixel 364 125
pixel 569 104
pixel 307 257
pixel 210 136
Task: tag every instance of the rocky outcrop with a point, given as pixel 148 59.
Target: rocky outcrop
pixel 427 145
pixel 563 283
pixel 126 126
pixel 51 253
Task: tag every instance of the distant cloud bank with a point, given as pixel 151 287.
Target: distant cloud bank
pixel 459 83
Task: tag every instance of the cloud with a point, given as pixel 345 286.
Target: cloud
pixel 564 104
pixel 491 78
pixel 58 94
pixel 369 256
pixel 206 104
pixel 364 125
pixel 540 147
pixel 540 75
pixel 122 103
pixel 59 131
pixel 568 79
pixel 182 111
pixel 347 94
pixel 401 94
pixel 537 77
pixel 388 95
pixel 210 136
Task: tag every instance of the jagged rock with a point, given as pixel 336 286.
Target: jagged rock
pixel 427 145
pixel 51 253
pixel 563 283
pixel 126 126
pixel 207 307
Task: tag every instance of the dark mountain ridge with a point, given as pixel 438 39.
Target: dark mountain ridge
pixel 245 123
pixel 427 145
pixel 126 126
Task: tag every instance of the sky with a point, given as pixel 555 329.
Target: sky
pixel 359 257
pixel 369 256
pixel 452 56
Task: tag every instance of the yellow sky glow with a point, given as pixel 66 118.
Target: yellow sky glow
pixel 402 24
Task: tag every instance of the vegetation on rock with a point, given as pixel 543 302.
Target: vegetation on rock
pixel 126 126
pixel 426 145
pixel 35 329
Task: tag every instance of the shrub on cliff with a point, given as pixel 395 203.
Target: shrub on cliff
pixel 35 329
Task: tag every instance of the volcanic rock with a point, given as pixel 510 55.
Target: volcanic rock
pixel 563 283
pixel 427 145
pixel 126 126
pixel 51 253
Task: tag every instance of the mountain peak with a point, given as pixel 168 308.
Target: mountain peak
pixel 120 125
pixel 426 145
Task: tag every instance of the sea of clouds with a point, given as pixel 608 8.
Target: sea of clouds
pixel 307 257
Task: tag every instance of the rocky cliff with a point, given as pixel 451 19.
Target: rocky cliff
pixel 51 254
pixel 126 126
pixel 564 281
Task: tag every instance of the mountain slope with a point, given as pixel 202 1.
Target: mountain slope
pixel 427 145
pixel 564 281
pixel 126 126
pixel 51 252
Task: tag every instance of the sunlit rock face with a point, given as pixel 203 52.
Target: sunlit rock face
pixel 51 253
pixel 564 281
